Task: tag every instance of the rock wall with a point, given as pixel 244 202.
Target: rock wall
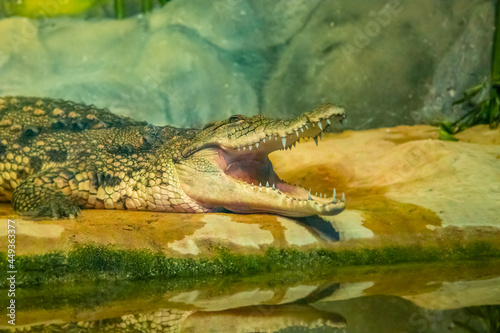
pixel 389 62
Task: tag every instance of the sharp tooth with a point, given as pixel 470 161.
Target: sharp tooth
pixel 274 187
pixel 302 129
pixel 313 124
pixel 320 126
pixel 244 147
pixel 309 197
pixel 334 193
pixel 264 140
pixel 320 135
pixel 250 147
pixel 283 140
pixel 297 132
pixel 267 184
pixel 239 148
pixel 343 197
pixel 328 122
pixel 257 145
pixel 316 140
pixel 316 194
pixel 307 127
pixel 294 144
pixel 270 137
pixel 260 184
pixel 276 138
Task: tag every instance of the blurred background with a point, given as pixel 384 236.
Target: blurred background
pixel 187 62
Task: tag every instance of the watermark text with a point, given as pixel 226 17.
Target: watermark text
pixel 11 271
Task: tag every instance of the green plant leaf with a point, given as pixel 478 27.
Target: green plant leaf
pixel 448 128
pixel 445 135
pixel 119 9
pixel 494 111
pixel 471 93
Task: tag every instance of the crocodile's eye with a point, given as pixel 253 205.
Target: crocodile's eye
pixel 236 118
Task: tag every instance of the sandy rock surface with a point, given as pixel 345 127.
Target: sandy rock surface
pixel 402 186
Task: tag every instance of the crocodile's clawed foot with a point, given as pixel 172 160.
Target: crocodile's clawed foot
pixel 58 207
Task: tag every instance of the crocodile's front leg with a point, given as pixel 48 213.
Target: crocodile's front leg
pixel 59 192
pixel 42 195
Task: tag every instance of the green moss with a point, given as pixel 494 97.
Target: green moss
pixel 72 295
pixel 96 263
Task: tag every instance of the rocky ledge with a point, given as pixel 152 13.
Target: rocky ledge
pixel 408 194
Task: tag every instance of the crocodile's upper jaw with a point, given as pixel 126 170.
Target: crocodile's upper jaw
pixel 236 173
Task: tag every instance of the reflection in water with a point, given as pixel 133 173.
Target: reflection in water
pixel 370 299
pixel 252 319
pixel 265 318
pixel 479 319
pixel 162 320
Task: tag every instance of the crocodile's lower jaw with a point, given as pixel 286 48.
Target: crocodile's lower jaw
pixel 247 183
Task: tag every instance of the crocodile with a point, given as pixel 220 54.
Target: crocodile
pixel 57 157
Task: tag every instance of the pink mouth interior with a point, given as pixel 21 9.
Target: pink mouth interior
pixel 257 169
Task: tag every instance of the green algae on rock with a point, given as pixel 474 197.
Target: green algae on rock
pixel 95 263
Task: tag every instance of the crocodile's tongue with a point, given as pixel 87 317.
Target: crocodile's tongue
pixel 258 171
pixel 252 171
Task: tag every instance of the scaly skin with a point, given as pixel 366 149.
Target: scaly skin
pixel 57 157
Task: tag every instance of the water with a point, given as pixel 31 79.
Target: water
pixel 460 297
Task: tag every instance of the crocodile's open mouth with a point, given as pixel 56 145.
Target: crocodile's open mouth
pixel 244 179
pixel 250 167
